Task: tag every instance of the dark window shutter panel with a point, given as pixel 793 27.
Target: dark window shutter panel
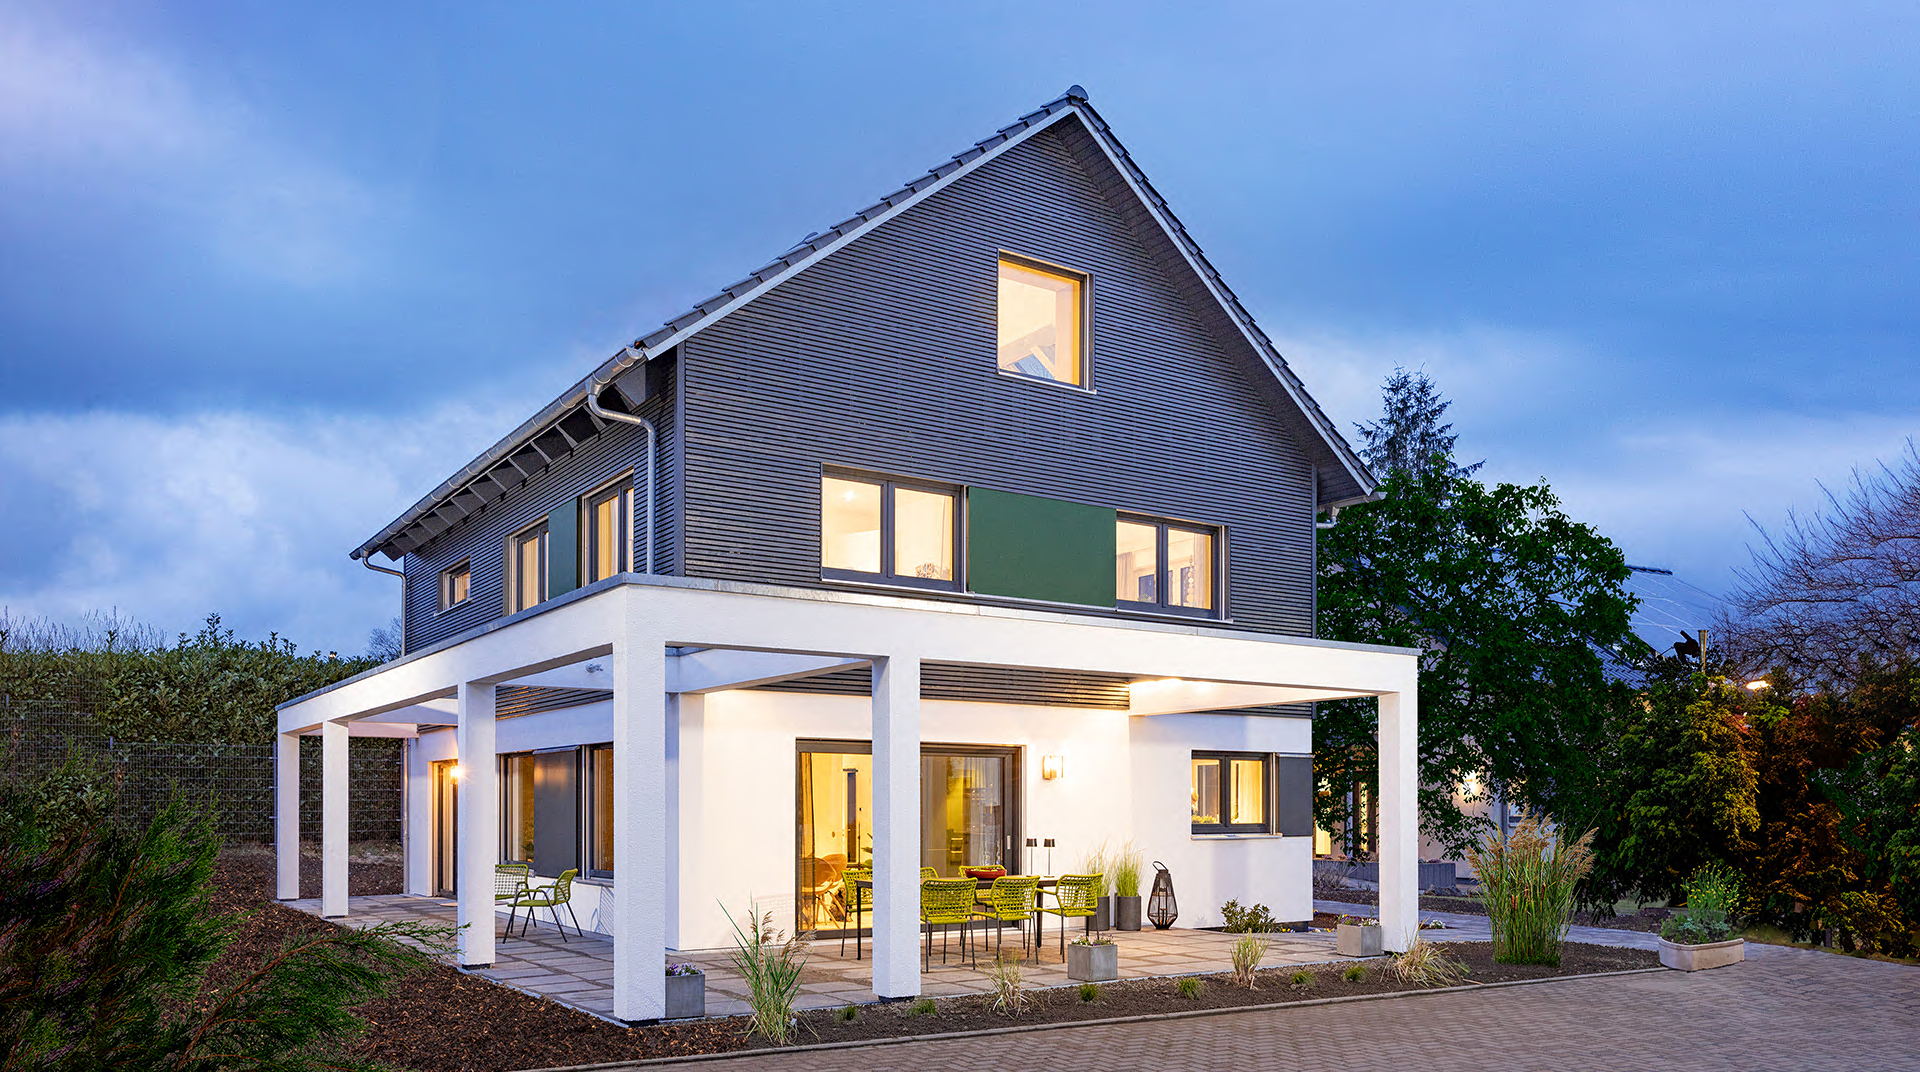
pixel 563 549
pixel 1293 785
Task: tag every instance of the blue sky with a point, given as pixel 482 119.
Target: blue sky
pixel 270 272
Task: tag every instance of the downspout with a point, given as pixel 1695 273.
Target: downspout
pixel 1331 521
pixel 597 385
pixel 368 562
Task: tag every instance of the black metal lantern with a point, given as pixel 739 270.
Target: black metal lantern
pixel 1162 908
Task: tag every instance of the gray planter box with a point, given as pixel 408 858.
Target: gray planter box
pixel 1093 963
pixel 1701 957
pixel 1102 914
pixel 686 996
pixel 1357 941
pixel 1126 913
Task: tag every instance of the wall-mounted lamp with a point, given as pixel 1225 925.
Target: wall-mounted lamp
pixel 456 772
pixel 1052 767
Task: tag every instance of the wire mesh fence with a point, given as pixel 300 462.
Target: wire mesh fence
pixel 234 780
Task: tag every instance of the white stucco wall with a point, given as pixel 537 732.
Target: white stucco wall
pixel 1126 778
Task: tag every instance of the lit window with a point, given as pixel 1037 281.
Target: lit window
pixel 1164 566
pixel 604 539
pixel 882 530
pixel 516 817
pixel 1041 331
pixel 1231 792
pixel 527 569
pixel 454 586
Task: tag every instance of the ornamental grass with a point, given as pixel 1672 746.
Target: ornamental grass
pixel 771 964
pixel 1527 880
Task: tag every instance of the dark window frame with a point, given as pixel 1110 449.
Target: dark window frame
pixel 620 489
pixel 1085 279
pixel 1268 802
pixel 538 530
pixel 447 602
pixel 588 812
pixel 584 808
pixel 887 575
pixel 1160 605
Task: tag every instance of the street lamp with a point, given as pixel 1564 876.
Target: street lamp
pixel 1759 683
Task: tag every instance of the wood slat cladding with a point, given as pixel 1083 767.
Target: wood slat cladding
pixel 882 357
pixel 980 684
pixel 511 701
pixel 481 538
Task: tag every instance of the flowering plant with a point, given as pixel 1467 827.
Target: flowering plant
pixel 682 969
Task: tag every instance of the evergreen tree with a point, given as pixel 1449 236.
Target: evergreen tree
pixel 1408 437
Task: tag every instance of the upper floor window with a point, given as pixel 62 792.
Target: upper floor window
pixel 1042 323
pixel 1230 792
pixel 1164 566
pixel 874 529
pixel 454 586
pixel 603 541
pixel 527 568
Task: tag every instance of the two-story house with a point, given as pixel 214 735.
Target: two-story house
pixel 976 529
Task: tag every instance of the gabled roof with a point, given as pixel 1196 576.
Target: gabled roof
pixel 565 422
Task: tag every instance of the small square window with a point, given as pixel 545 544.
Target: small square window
pixel 455 584
pixel 1232 792
pixel 1042 323
pixel 1165 566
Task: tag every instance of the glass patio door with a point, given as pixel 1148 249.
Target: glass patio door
pixel 968 816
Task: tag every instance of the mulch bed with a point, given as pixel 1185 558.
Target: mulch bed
pixel 1146 996
pixel 443 1020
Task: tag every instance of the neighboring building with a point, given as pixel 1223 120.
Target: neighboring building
pixel 983 518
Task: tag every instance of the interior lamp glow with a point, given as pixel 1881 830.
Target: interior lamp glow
pixel 1052 767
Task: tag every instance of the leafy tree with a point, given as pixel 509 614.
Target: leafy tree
pixel 106 935
pixel 1676 787
pixel 1409 438
pixel 1512 603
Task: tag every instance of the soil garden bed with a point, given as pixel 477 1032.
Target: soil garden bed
pixel 443 1019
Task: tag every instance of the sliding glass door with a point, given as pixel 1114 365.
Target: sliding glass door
pixel 968 818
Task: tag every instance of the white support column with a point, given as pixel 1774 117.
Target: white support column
pixel 479 848
pixel 686 737
pixel 896 827
pixel 416 831
pixel 333 819
pixel 286 816
pixel 1400 817
pixel 639 825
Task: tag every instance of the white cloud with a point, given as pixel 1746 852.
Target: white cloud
pixel 246 514
pixel 94 117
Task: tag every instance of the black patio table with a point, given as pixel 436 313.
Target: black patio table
pixel 1041 882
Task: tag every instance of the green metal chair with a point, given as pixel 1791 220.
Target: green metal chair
pixel 1010 900
pixel 552 898
pixel 509 885
pixel 1075 897
pixel 927 873
pixel 856 901
pixel 944 902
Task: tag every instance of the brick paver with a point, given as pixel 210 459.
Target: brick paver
pixel 1782 1009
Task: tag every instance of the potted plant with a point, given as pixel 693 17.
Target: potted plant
pixel 686 992
pixel 1358 936
pixel 1126 889
pixel 1093 959
pixel 1700 935
pixel 1096 863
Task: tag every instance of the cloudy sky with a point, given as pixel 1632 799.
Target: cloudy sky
pixel 268 272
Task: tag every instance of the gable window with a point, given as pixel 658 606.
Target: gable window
pixel 603 540
pixel 527 568
pixel 454 586
pixel 873 529
pixel 1165 566
pixel 1042 322
pixel 1231 792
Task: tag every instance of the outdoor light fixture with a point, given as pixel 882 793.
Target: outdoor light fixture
pixel 1758 685
pixel 1052 767
pixel 456 772
pixel 1031 844
pixel 1162 908
pixel 1049 856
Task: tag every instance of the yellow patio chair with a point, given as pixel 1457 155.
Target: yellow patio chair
pixel 509 885
pixel 856 901
pixel 1009 900
pixel 1075 897
pixel 551 898
pixel 944 902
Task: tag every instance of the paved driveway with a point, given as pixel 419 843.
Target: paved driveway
pixel 1782 1009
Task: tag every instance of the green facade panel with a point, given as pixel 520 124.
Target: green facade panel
pixel 1036 548
pixel 563 549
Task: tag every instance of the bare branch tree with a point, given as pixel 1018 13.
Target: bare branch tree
pixel 1838 587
